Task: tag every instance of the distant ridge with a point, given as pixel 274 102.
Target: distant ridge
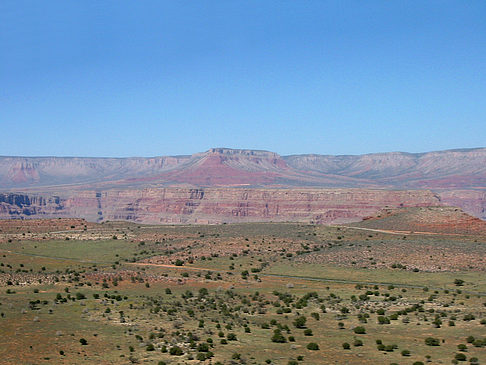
pixel 449 169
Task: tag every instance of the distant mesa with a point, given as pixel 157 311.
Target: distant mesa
pixel 454 177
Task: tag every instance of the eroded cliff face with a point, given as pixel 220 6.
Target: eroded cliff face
pixel 471 201
pixel 215 205
pixel 25 206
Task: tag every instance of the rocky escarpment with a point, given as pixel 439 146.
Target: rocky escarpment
pixel 22 205
pixel 471 201
pixel 19 172
pixel 212 205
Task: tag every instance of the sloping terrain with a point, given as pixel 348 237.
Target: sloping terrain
pixel 432 170
pixel 448 220
pixel 417 239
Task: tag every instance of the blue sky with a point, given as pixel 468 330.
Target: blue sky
pixel 147 78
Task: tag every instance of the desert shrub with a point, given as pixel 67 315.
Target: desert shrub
pixel 278 337
pixel 460 357
pixel 203 347
pixel 357 342
pixel 462 347
pixel 300 321
pixel 150 347
pixel 308 332
pixel 176 351
pixel 231 337
pixel 430 341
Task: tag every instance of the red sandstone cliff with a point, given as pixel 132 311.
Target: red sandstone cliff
pixel 179 205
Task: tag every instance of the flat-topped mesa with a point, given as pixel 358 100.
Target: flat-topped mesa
pixel 246 160
pixel 243 152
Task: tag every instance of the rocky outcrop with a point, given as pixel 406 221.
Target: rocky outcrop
pixel 212 205
pixel 22 206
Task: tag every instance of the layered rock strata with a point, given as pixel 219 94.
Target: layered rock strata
pixel 215 205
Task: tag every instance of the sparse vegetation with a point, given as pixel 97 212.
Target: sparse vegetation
pixel 190 294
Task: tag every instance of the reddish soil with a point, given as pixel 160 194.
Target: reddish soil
pixel 42 225
pixel 442 220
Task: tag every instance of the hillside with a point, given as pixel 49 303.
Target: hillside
pixel 448 220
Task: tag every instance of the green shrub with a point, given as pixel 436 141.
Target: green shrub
pixel 460 357
pixel 308 332
pixel 300 321
pixel 150 347
pixel 430 341
pixel 176 351
pixel 278 337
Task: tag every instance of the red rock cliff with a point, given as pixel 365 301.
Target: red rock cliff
pixel 216 205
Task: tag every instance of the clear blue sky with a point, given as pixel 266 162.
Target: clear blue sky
pixel 146 78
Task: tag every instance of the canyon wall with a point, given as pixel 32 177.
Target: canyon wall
pixel 228 185
pixel 215 205
pixel 471 201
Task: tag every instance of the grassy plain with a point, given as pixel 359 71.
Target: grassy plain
pixel 119 293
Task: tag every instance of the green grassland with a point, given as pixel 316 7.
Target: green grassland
pixel 124 301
